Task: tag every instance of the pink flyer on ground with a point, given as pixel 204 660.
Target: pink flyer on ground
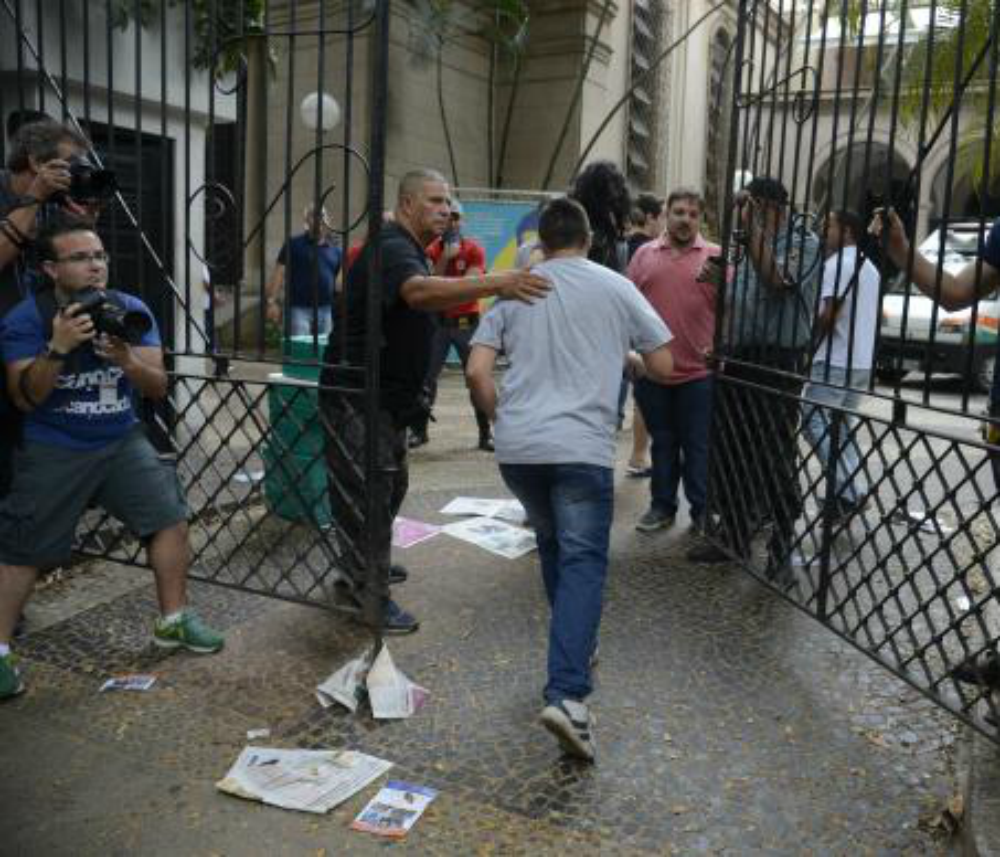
pixel 407 532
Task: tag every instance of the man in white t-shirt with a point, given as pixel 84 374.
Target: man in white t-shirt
pixel 556 417
pixel 842 365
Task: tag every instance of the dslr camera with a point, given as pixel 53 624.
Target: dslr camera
pixel 110 318
pixel 88 183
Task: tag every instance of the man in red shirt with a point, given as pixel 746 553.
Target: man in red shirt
pixel 670 272
pixel 454 255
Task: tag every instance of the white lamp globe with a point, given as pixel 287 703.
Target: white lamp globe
pixel 312 114
pixel 741 178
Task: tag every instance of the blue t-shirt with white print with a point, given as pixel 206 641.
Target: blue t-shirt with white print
pixel 91 405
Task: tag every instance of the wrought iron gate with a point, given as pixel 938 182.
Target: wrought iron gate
pixel 866 498
pixel 223 121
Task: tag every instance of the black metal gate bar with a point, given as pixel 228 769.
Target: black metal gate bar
pixel 908 576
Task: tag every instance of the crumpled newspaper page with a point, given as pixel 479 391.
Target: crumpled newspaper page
pixel 346 685
pixel 392 695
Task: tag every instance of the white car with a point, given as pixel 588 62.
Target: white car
pixel 947 350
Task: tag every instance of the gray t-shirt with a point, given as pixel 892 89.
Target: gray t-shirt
pixel 558 400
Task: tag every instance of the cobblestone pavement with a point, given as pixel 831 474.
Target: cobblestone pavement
pixel 727 722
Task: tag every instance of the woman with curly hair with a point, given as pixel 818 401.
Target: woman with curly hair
pixel 603 192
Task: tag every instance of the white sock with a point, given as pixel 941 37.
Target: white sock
pixel 171 618
pixel 4 649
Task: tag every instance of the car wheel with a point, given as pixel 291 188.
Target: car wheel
pixel 984 374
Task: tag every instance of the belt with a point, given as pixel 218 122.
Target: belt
pixel 461 321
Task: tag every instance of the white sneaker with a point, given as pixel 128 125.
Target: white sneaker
pixel 569 721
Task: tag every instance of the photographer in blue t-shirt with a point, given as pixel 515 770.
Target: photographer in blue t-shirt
pixel 306 271
pixel 82 444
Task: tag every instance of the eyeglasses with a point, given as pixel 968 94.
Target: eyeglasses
pixel 98 256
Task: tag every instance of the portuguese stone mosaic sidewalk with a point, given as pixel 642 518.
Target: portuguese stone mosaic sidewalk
pixel 727 722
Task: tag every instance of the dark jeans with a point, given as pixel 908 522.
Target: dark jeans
pixel 344 427
pixel 677 419
pixel 754 468
pixel 571 507
pixel 449 334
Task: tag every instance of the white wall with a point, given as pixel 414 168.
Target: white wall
pixel 114 56
pixel 136 102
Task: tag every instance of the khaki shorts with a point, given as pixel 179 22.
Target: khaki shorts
pixel 53 487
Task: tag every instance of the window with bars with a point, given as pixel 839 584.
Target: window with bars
pixel 648 19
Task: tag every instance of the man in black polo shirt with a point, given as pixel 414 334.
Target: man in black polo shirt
pixel 410 297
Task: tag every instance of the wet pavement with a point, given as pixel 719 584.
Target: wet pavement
pixel 727 722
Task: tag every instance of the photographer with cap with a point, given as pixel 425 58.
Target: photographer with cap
pixel 768 327
pixel 32 188
pixel 72 373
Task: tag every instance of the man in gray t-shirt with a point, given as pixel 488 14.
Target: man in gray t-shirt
pixel 556 415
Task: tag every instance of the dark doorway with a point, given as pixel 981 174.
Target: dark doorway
pixel 144 167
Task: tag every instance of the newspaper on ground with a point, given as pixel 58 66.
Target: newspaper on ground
pixel 917 518
pixel 257 734
pixel 395 809
pixel 513 512
pixel 406 532
pixel 495 536
pixel 479 507
pixel 392 695
pixel 129 682
pixel 304 780
pixel 346 685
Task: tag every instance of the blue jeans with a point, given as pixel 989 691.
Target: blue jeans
pixel 571 507
pixel 850 485
pixel 677 419
pixel 300 322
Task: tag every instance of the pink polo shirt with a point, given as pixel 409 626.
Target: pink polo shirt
pixel 668 279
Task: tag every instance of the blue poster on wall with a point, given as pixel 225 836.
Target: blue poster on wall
pixel 500 226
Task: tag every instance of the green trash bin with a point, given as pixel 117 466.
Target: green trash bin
pixel 308 354
pixel 295 485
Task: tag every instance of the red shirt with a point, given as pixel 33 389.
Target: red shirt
pixel 470 255
pixel 668 279
pixel 352 254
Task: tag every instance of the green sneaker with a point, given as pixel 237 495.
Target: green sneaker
pixel 188 632
pixel 10 677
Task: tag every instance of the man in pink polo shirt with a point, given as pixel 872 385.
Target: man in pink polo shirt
pixel 670 273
